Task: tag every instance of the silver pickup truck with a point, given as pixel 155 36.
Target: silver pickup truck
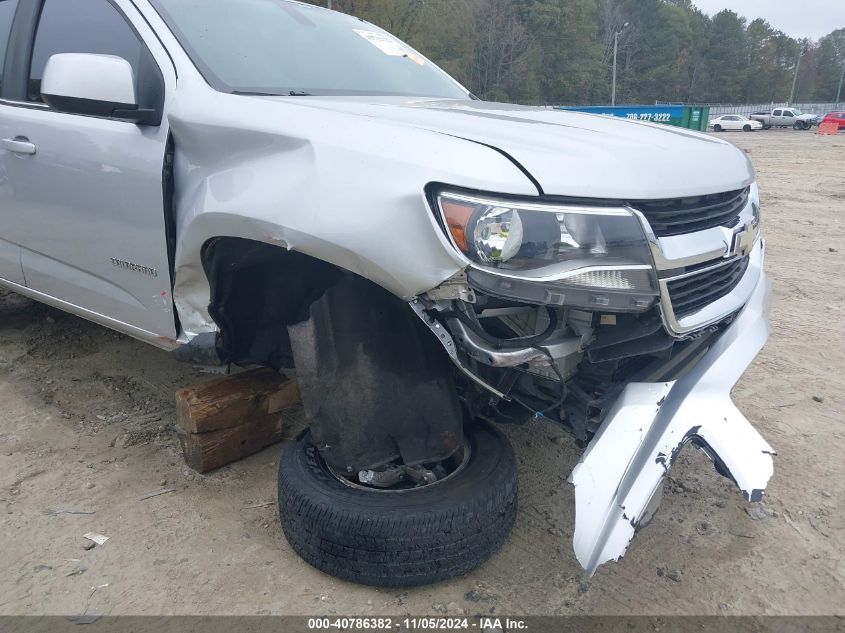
pixel 268 183
pixel 785 117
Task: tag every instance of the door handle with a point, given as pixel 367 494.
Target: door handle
pixel 18 145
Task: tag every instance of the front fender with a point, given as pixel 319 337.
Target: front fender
pixel 345 189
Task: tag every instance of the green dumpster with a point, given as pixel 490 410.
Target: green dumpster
pixel 690 117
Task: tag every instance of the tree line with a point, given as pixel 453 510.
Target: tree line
pixel 560 51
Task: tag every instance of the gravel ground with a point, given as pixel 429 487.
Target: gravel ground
pixel 86 425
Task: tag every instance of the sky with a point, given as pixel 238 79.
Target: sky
pixel 804 18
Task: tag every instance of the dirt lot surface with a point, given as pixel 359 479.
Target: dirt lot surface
pixel 87 424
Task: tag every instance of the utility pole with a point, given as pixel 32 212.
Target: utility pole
pixel 615 51
pixel 330 4
pixel 839 89
pixel 795 78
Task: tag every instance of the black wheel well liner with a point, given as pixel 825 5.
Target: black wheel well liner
pixel 375 383
pixel 256 291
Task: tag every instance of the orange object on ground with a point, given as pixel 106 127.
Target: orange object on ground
pixel 828 127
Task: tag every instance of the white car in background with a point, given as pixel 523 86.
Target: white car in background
pixel 735 122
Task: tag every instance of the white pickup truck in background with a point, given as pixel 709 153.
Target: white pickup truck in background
pixel 785 117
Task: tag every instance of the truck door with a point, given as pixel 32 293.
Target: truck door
pixel 10 253
pixel 85 200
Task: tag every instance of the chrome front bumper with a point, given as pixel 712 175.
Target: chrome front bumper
pixel 620 476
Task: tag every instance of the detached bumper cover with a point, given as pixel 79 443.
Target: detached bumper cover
pixel 619 478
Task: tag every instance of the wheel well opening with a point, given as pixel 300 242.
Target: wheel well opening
pixel 256 291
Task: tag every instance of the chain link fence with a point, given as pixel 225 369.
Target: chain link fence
pixel 821 109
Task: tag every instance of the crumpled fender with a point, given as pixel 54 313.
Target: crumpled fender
pixel 339 187
pixel 619 478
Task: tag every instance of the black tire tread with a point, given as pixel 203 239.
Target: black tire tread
pixel 378 539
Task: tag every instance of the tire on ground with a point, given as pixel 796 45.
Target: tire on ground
pixel 399 538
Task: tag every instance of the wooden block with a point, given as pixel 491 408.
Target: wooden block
pixel 231 401
pixel 206 451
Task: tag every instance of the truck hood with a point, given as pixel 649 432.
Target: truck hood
pixel 572 153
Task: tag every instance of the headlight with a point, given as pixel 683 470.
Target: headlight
pixel 592 257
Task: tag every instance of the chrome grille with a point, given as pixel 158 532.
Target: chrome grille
pixel 692 292
pixel 676 216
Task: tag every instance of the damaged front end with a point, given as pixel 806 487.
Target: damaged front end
pixel 619 480
pixel 627 322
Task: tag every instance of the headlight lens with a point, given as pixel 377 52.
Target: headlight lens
pixel 549 253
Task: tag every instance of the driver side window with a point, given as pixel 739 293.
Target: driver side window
pixel 85 26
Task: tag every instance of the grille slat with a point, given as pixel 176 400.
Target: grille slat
pixel 690 294
pixel 686 215
pixel 681 205
pixel 713 280
pixel 704 212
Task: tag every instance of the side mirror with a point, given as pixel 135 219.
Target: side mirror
pixel 93 85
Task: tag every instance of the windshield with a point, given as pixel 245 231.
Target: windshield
pixel 280 47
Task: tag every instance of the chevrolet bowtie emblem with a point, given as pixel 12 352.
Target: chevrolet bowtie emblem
pixel 742 241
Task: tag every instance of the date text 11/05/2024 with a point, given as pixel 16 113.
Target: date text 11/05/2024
pixel 498 624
